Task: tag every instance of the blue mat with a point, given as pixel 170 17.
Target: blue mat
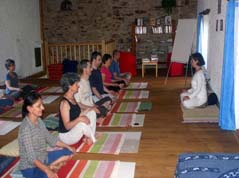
pixel 208 165
pixel 5 161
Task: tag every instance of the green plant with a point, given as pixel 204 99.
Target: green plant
pixel 168 5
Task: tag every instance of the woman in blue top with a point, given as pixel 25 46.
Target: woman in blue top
pixel 115 69
pixel 13 88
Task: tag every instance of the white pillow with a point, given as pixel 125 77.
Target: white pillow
pixel 11 149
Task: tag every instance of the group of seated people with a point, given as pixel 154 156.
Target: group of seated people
pixel 87 99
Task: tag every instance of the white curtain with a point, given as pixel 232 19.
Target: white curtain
pixel 204 37
pixel 236 69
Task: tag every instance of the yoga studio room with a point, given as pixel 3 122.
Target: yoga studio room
pixel 119 89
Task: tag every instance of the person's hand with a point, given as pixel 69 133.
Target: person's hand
pixel 121 85
pixel 126 81
pixel 112 93
pixel 72 149
pixel 184 90
pixel 51 174
pixel 186 98
pixel 19 89
pixel 83 113
pixel 96 110
pixel 84 119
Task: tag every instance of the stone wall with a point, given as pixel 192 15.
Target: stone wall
pixel 95 20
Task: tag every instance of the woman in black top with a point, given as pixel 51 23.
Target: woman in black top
pixel 73 123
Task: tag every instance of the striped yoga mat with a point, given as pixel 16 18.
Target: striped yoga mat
pixel 57 90
pixel 134 94
pixel 126 107
pixel 16 111
pixel 88 169
pixel 124 120
pixel 84 168
pixel 137 85
pixel 7 126
pixel 97 169
pixel 132 107
pixel 128 144
pixel 47 99
pixel 107 143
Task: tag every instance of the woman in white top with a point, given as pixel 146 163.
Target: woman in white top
pixel 73 123
pixel 197 94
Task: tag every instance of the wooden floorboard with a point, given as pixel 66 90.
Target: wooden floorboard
pixel 164 135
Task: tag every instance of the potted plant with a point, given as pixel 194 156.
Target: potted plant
pixel 168 5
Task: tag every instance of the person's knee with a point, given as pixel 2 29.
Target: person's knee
pixel 181 97
pixel 187 104
pixel 91 114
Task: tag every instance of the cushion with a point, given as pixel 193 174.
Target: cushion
pixel 51 122
pixel 145 106
pixel 11 149
pixel 209 111
pixel 5 161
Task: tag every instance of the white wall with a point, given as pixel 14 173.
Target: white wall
pixel 19 35
pixel 215 42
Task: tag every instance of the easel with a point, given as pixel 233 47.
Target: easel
pixel 189 49
pixel 186 74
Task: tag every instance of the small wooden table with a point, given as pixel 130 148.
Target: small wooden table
pixel 151 63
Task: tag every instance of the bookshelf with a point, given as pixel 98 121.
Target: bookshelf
pixel 145 44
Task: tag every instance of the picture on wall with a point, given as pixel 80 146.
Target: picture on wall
pixel 168 20
pixel 158 21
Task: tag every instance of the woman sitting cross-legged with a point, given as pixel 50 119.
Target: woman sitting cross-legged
pixel 5 102
pixel 110 84
pixel 73 123
pixel 197 95
pixel 13 88
pixel 33 138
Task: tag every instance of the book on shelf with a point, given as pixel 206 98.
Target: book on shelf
pixel 145 60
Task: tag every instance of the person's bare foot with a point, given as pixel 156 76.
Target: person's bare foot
pixel 108 106
pixel 100 120
pixel 97 135
pixel 56 165
pixel 87 141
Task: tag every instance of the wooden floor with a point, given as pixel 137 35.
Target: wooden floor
pixel 164 136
